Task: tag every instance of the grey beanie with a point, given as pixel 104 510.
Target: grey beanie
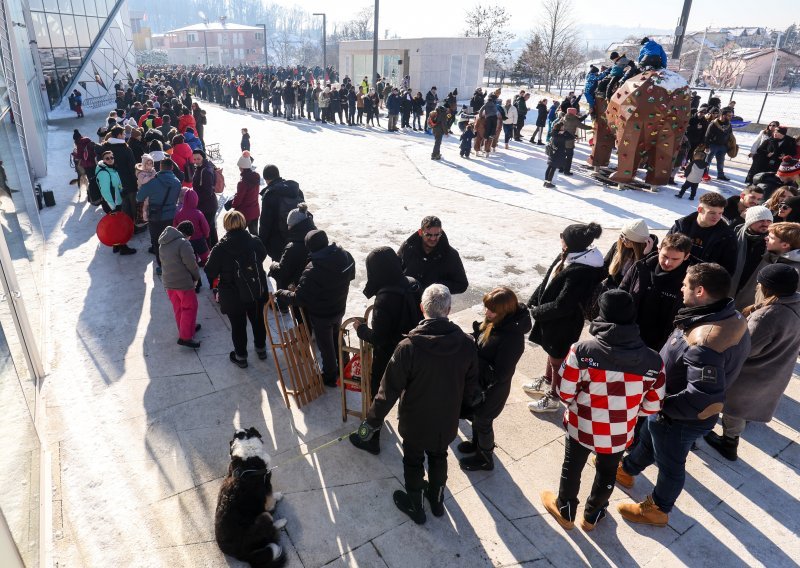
pixel 297 215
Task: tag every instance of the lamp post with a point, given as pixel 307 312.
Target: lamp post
pixel 205 42
pixel 375 47
pixel 324 42
pixel 266 60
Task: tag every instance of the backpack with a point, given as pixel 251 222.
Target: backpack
pixel 285 206
pixel 93 194
pixel 219 181
pixel 432 118
pixel 248 280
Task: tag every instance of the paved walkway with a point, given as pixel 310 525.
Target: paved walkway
pixel 139 427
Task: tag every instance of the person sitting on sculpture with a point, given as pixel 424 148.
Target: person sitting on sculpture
pixel 616 73
pixel 630 71
pixel 652 55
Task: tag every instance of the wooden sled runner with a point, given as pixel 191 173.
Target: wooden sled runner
pixel 293 340
pixel 360 381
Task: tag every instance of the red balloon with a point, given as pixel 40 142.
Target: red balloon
pixel 115 229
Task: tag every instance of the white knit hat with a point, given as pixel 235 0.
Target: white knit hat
pixel 755 214
pixel 245 162
pixel 636 231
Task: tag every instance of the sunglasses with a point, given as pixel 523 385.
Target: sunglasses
pixel 431 235
pixel 783 206
pixel 108 159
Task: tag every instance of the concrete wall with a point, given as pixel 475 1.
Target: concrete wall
pixel 447 63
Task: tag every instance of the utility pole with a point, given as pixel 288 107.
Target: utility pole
pixel 375 46
pixel 771 76
pixel 324 43
pixel 680 31
pixel 205 42
pixel 266 60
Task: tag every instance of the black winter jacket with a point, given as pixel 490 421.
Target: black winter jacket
pixel 541 117
pixel 443 265
pixel 235 245
pixel 431 372
pixel 203 183
pixel 294 259
pixel 557 309
pixel 124 163
pixel 713 244
pixel 275 201
pixel 325 282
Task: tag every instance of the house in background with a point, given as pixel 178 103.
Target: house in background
pixel 213 43
pixel 749 68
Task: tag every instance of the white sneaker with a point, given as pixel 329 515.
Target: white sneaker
pixel 536 387
pixel 547 403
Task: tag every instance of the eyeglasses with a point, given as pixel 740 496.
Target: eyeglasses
pixel 783 206
pixel 108 159
pixel 431 235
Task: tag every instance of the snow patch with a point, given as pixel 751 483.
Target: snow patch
pixel 669 80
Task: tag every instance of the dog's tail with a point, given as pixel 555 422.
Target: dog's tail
pixel 271 556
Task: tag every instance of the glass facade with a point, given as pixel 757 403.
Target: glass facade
pixel 65 31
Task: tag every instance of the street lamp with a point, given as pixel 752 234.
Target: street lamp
pixel 375 47
pixel 266 61
pixel 205 42
pixel 324 43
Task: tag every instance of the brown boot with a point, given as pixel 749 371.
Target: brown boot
pixel 625 479
pixel 550 502
pixel 646 513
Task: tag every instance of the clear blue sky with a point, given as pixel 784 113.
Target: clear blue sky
pixel 416 18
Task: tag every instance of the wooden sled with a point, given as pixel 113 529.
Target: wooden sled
pixel 361 383
pixel 603 175
pixel 293 340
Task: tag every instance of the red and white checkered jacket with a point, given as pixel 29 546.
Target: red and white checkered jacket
pixel 603 405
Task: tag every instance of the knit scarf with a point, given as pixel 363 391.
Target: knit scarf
pixel 689 315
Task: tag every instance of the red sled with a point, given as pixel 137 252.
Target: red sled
pixel 115 229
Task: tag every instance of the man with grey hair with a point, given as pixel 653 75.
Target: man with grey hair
pixel 432 371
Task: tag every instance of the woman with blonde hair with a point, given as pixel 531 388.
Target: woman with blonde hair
pixel 780 195
pixel 634 243
pixel 501 342
pixel 237 260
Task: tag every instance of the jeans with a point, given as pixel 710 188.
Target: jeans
pixel 289 112
pixel 156 228
pixel 184 304
pixel 316 111
pixel 718 151
pixel 508 130
pixel 666 443
pixel 575 456
pixel 326 334
pixel 568 163
pixel 392 122
pixel 437 143
pixel 549 173
pixel 414 466
pixel 255 313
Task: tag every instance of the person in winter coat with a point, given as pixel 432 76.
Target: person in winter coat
pixel 125 164
pixel 634 243
pixel 433 372
pixel 762 137
pixel 182 156
pixel 417 110
pixel 428 258
pixel 556 307
pixel 655 284
pixel 552 116
pixel 500 338
pixel 590 86
pixel 774 325
pixel 652 55
pixel 279 197
pixel 607 383
pixel 571 123
pixel 193 141
pixel 541 122
pixel 712 238
pixel 201 231
pixel 393 106
pixel 438 121
pixel 203 182
pixel 246 199
pixel 199 120
pixel 431 102
pixel 490 113
pixel 465 141
pixel 521 103
pixel 294 259
pixel 510 121
pixel 136 144
pixel 83 155
pixel 751 237
pixel 180 274
pixel 703 358
pixel 162 192
pixel 718 137
pixel 322 291
pixel 110 185
pixel 694 174
pixel 556 154
pixel 771 152
pixel 240 252
pixel 395 311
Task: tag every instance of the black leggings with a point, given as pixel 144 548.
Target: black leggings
pixel 255 313
pixel 549 172
pixel 575 456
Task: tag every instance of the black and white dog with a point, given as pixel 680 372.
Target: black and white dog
pixel 244 526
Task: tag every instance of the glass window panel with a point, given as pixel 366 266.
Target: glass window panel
pixel 94 28
pixel 82 29
pixel 60 58
pixel 40 25
pixel 70 34
pixel 46 57
pixel 65 6
pixel 35 4
pixel 74 57
pixel 50 5
pixel 90 8
pixel 56 32
pixel 110 5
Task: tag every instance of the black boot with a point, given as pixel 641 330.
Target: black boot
pixel 411 504
pixel 725 445
pixel 483 460
pixel 373 445
pixel 435 496
pixel 466 447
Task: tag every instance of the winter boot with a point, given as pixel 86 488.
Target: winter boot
pixel 725 445
pixel 370 443
pixel 483 460
pixel 589 522
pixel 646 513
pixel 467 446
pixel 562 514
pixel 624 478
pixel 435 496
pixel 411 504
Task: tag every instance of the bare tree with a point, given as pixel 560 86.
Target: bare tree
pixel 559 40
pixel 492 24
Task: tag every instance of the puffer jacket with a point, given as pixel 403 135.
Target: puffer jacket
pixel 186 121
pixel 294 259
pixel 190 212
pixel 241 246
pixel 325 282
pixel 442 265
pixel 178 264
pixel 203 184
pixel 246 199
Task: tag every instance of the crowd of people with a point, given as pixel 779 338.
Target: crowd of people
pixel 683 330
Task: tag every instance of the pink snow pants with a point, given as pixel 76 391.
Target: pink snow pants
pixel 184 304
